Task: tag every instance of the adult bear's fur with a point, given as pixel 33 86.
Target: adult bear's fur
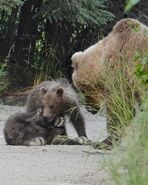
pixel 127 38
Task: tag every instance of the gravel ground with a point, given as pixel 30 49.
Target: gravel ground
pixel 53 165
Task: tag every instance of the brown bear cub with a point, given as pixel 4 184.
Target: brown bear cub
pixel 57 99
pixel 43 122
pixel 32 129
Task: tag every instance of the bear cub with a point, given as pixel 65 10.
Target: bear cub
pixel 57 98
pixel 44 119
pixel 32 129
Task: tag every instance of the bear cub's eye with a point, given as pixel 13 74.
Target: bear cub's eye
pixel 51 106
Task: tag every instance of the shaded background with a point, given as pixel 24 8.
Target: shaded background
pixel 38 37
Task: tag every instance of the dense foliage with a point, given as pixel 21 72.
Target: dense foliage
pixel 3 78
pixel 132 167
pixel 38 37
pixel 142 67
pixel 43 44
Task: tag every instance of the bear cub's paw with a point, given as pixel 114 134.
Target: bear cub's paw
pixel 37 141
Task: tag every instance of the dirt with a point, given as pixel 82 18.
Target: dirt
pixel 53 165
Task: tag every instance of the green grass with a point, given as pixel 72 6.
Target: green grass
pixel 123 96
pixel 121 102
pixel 49 69
pixel 127 113
pixel 132 168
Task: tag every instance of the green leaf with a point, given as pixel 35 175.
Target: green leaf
pixel 144 60
pixel 130 4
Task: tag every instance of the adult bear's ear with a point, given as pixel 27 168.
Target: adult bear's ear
pixel 43 90
pixel 77 58
pixel 60 92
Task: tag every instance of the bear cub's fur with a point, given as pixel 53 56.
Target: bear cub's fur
pixel 57 99
pixel 31 129
pixel 43 121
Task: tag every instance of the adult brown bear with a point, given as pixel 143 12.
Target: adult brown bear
pixel 115 51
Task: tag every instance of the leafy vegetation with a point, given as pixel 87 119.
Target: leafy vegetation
pixel 130 109
pixel 67 23
pixel 130 4
pixel 132 168
pixel 142 67
pixel 3 78
pixel 6 6
pixel 44 43
pixel 82 12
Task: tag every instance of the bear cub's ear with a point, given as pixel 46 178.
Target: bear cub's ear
pixel 60 92
pixel 43 90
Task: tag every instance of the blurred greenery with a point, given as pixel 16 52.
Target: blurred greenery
pixel 130 4
pixel 142 67
pixel 3 78
pixel 44 43
pixel 132 167
pixel 39 37
pixel 7 5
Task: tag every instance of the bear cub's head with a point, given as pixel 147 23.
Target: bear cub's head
pixel 52 103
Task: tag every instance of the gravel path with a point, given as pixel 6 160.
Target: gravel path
pixel 53 165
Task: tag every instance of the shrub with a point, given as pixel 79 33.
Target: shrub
pixel 132 168
pixel 3 78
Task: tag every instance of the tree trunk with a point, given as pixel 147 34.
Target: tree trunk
pixel 8 40
pixel 21 64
